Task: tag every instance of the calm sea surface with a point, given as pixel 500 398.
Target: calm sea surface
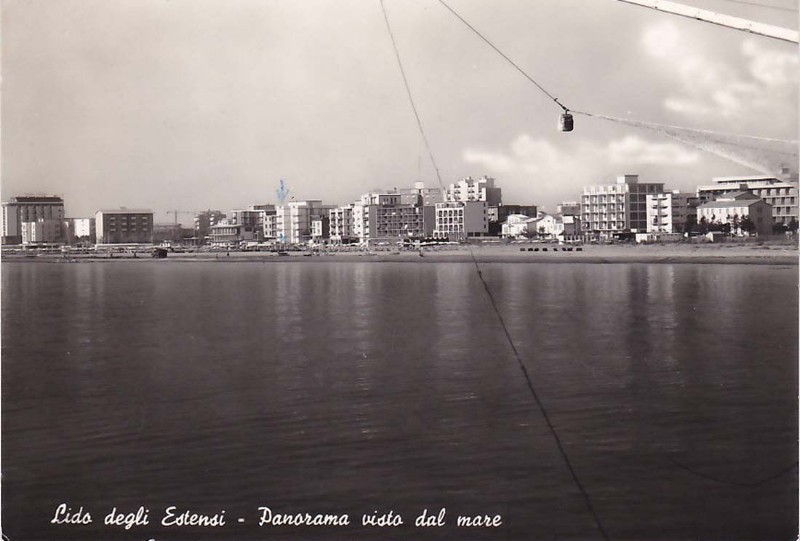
pixel 361 387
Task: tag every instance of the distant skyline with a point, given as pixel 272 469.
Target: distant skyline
pixel 197 104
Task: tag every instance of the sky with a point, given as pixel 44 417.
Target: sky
pixel 195 104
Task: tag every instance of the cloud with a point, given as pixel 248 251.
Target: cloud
pixel 493 161
pixel 660 40
pixel 553 173
pixel 635 150
pixel 704 86
pixel 771 68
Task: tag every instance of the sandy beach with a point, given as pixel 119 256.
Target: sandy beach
pixel 724 253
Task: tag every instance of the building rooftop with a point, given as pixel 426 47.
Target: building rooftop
pixel 730 203
pixel 125 211
pixel 746 178
pixel 38 199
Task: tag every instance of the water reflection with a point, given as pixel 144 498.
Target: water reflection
pixel 351 386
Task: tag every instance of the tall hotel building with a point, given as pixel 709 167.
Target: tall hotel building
pixel 617 208
pixel 39 210
pixel 466 208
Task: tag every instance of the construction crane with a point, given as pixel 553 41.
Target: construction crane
pixel 176 212
pixel 745 25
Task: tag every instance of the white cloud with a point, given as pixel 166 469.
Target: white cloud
pixel 635 150
pixel 660 40
pixel 552 173
pixel 707 86
pixel 493 161
pixel 774 69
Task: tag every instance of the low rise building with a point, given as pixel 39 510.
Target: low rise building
pixel 124 226
pixel 781 194
pixel 734 209
pixel 516 226
pixel 230 235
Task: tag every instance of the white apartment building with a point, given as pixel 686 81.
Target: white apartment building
pixel 457 221
pixel 616 208
pixel 293 220
pixel 391 216
pixel 341 224
pixel 782 195
pixel 468 189
pixel 668 212
pixel 270 226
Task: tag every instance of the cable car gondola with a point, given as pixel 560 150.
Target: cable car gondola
pixel 565 122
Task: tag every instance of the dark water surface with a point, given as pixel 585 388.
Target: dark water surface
pixel 361 387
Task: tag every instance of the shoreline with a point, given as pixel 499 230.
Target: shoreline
pixel 782 254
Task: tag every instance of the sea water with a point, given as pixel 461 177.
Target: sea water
pixel 222 390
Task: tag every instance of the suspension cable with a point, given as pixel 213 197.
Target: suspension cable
pixel 410 98
pixel 519 69
pixel 562 451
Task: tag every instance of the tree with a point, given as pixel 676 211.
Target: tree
pixel 703 226
pixel 792 225
pixel 747 225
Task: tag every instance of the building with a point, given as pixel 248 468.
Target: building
pixel 169 233
pixel 669 212
pixel 429 196
pixel 571 227
pixel 398 216
pixel 569 208
pixel 270 226
pixel 204 221
pixel 341 224
pixel 80 230
pixel 617 208
pixel 293 220
pixel 124 226
pixel 320 228
pixel 230 235
pixel 458 221
pixel 732 209
pixel 516 226
pixel 251 219
pixel 29 209
pixel 266 221
pixel 499 215
pixel 782 195
pixel 468 189
pixel 391 216
pixel 42 231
